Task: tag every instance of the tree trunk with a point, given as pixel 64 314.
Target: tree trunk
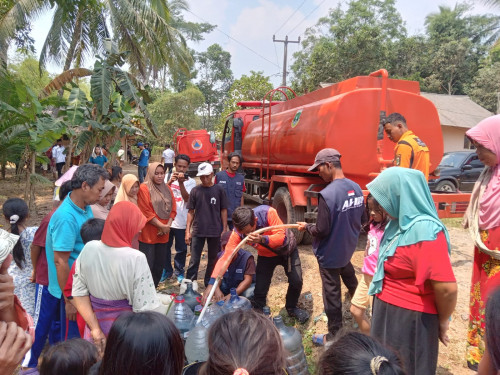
pixel 4 167
pixel 77 32
pixel 29 191
pixel 69 154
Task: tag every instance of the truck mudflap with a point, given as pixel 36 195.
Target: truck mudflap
pixel 447 205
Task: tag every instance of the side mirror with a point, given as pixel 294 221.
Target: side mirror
pixel 467 167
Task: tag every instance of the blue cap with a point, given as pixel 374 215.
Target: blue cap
pixel 140 144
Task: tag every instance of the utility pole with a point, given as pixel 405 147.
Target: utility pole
pixel 285 42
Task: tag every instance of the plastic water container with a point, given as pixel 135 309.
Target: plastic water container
pixel 292 341
pixel 214 312
pixel 191 298
pixel 237 302
pixel 266 310
pixel 196 347
pixel 181 315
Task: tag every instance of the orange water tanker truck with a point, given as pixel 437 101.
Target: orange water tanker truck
pixel 278 140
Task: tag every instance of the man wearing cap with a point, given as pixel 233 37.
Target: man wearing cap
pixel 340 208
pixel 142 166
pixel 207 218
pixel 410 151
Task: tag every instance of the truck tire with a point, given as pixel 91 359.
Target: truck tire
pixel 307 239
pixel 446 186
pixel 282 202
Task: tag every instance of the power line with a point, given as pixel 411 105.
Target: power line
pixel 311 12
pixel 288 19
pixel 237 41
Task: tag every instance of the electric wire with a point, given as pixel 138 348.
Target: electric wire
pixel 306 17
pixel 237 41
pixel 288 19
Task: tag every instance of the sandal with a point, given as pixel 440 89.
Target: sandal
pixel 319 339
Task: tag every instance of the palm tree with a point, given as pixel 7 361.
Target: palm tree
pixel 79 27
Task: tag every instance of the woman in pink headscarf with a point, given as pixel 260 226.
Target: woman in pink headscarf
pixel 483 220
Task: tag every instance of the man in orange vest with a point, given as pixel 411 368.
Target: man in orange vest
pixel 410 151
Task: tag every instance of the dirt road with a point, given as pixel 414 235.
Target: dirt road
pixel 451 358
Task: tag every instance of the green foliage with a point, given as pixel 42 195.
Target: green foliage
pixel 456 44
pixel 370 35
pixel 485 87
pixel 253 87
pixel 172 111
pixel 27 71
pixel 347 43
pixel 215 79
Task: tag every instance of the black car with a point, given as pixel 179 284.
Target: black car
pixel 458 170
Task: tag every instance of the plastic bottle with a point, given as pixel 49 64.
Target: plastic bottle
pixel 267 312
pixel 181 315
pixel 196 347
pixel 237 302
pixel 191 297
pixel 214 312
pixel 292 341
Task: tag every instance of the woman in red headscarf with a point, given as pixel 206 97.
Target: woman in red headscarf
pixel 111 277
pixel 157 203
pixel 483 220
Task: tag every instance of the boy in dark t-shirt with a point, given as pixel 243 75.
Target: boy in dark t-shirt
pixel 207 218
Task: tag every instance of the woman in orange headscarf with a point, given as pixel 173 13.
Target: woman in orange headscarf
pixel 111 277
pixel 128 189
pixel 157 203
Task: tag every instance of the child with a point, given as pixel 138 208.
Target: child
pixel 15 211
pixel 241 272
pixel 91 230
pixel 74 356
pixel 355 353
pixel 361 300
pixel 233 336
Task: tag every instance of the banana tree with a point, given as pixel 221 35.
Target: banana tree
pixel 27 129
pixel 118 101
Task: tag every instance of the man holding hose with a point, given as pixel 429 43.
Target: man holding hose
pixel 274 248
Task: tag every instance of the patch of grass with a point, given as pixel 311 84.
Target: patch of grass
pixel 308 349
pixel 455 222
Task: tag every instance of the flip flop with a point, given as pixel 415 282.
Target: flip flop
pixel 319 339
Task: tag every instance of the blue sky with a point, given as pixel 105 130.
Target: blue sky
pixel 246 28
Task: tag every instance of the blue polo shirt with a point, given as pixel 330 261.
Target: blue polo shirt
pixel 143 158
pixel 63 234
pixel 100 160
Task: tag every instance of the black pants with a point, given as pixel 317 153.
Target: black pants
pixel 59 167
pixel 168 167
pixel 264 273
pixel 332 296
pixel 156 255
pixel 197 243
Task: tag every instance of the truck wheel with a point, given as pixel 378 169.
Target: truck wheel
pixel 307 239
pixel 446 186
pixel 282 202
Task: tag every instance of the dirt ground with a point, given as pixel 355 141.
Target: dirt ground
pixel 451 358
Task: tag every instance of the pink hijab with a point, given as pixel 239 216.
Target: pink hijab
pixel 487 133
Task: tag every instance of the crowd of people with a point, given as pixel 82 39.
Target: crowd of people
pixel 85 280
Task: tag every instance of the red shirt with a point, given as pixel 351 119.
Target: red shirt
pixel 41 270
pixel 408 275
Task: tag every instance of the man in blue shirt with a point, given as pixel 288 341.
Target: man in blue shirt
pixel 63 245
pixel 340 208
pixel 142 168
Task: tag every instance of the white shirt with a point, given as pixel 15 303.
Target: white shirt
pixel 181 218
pixel 115 273
pixel 58 154
pixel 168 156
